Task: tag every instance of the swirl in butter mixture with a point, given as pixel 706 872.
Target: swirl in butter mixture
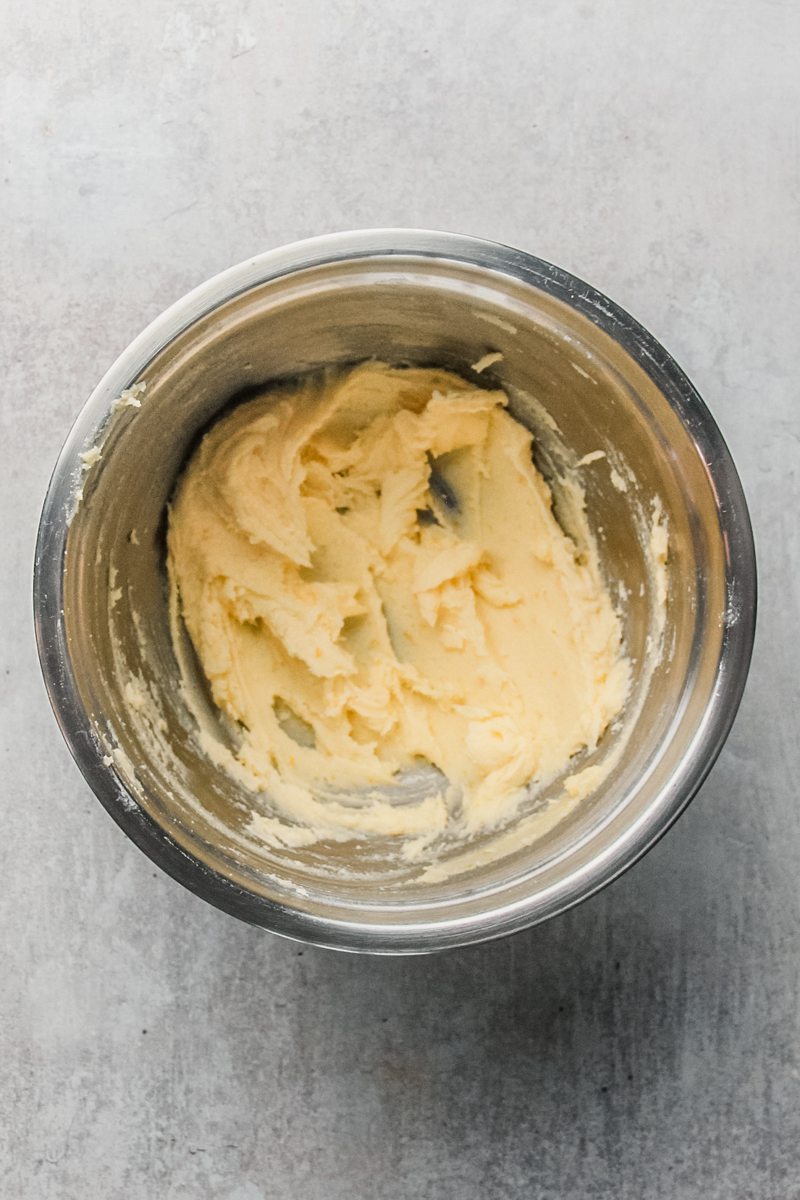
pixel 372 577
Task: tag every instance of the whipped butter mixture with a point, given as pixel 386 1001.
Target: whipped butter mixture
pixel 372 577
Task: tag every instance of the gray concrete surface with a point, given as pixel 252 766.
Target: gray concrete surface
pixel 648 1043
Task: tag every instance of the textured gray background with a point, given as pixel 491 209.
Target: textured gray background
pixel 645 1045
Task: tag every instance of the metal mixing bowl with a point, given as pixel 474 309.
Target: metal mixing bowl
pixel 423 298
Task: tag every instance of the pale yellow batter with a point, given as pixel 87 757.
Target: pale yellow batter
pixel 372 577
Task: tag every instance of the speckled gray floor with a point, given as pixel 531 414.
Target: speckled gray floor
pixel 645 1045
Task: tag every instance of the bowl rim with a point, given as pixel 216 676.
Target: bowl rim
pixel 451 931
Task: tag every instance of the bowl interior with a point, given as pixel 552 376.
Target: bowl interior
pixel 577 388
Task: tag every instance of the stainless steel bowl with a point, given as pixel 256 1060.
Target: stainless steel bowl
pixel 425 298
